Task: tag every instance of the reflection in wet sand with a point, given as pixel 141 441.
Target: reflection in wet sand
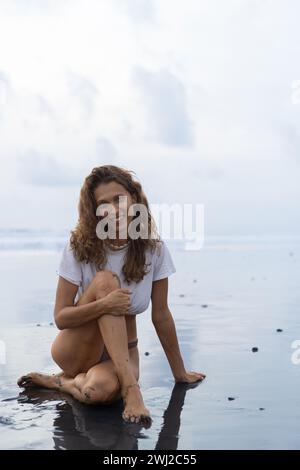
pixel 78 426
pixel 219 319
pixel 169 434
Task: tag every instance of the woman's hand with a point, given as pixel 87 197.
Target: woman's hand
pixel 190 377
pixel 117 302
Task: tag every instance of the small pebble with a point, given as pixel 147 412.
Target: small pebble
pixel 51 323
pixel 261 409
pixel 204 305
pixel 146 353
pixel 181 295
pixel 231 398
pixel 195 280
pixel 38 324
pixel 255 349
pixel 279 330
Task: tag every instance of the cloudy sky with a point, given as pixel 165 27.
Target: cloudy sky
pixel 199 97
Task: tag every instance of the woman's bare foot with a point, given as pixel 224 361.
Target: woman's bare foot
pixel 135 410
pixel 40 380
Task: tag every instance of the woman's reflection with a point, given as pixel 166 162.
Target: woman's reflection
pixel 77 426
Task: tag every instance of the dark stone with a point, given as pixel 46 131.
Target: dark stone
pixel 279 330
pixel 51 324
pixel 231 398
pixel 255 349
pixel 38 324
pixel 204 305
pixel 261 409
pixel 147 353
pixel 181 295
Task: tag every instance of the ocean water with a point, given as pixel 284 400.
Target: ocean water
pixel 227 298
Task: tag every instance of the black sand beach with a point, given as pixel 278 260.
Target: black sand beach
pixel 235 304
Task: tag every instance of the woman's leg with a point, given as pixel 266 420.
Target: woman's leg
pixel 100 385
pixel 77 349
pixel 112 379
pixel 114 332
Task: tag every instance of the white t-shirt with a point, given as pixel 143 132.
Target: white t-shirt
pixel 81 273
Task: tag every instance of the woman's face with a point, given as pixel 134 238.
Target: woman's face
pixel 119 200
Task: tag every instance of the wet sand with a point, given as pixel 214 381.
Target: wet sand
pixel 226 300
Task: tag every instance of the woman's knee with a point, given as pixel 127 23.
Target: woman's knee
pixel 101 390
pixel 105 282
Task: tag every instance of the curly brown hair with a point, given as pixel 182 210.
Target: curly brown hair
pixel 84 240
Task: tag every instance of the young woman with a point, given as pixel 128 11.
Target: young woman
pixel 103 284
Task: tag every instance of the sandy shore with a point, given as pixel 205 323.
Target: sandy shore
pixel 226 300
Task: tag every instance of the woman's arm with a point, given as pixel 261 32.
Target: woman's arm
pixel 165 328
pixel 68 315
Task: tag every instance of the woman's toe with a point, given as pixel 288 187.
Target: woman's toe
pixel 22 380
pixel 125 416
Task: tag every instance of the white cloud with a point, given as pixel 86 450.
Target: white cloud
pixel 138 10
pixel 45 170
pixel 4 91
pixel 196 98
pixel 106 152
pixel 165 102
pixel 84 92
